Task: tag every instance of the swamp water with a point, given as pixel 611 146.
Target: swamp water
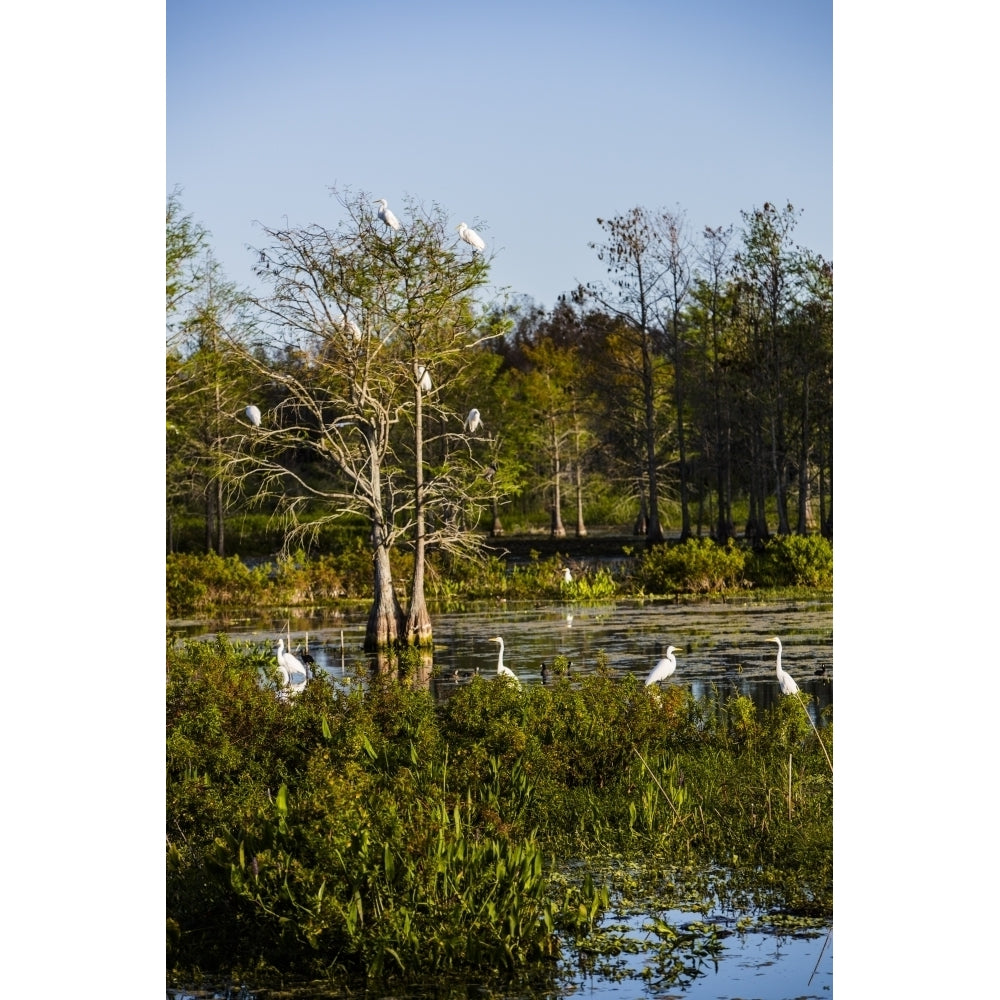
pixel 703 953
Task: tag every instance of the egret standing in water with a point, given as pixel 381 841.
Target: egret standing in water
pixel 785 682
pixel 471 237
pixel 503 671
pixel 293 670
pixel 253 415
pixel 386 215
pixel 663 669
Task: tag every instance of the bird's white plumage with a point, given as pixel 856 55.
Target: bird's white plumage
pixel 503 671
pixel 386 215
pixel 471 237
pixel 293 671
pixel 567 575
pixel 253 415
pixel 663 669
pixel 785 681
pixel 424 377
pixel 473 421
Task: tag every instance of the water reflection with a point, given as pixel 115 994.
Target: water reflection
pixel 722 647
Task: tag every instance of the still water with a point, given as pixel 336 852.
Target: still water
pixel 721 648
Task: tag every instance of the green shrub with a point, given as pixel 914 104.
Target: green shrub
pixel 695 566
pixel 793 561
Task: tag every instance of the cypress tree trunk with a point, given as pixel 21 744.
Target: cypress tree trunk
pixel 418 620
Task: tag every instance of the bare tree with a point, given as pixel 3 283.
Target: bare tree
pixel 367 326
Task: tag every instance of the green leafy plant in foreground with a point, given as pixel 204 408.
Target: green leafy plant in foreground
pixel 370 835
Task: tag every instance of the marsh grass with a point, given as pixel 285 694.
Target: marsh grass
pixel 369 835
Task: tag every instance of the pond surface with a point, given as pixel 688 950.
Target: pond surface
pixel 721 648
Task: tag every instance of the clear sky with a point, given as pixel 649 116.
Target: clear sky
pixel 526 120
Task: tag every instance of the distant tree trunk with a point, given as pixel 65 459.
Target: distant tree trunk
pixel 581 528
pixel 497 530
pixel 558 530
pixel 209 520
pixel 654 533
pixel 220 521
pixel 803 505
pixel 640 525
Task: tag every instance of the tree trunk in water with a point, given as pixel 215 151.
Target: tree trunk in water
pixel 386 619
pixel 581 528
pixel 418 620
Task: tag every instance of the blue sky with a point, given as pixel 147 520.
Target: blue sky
pixel 526 120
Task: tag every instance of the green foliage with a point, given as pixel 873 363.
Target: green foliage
pixel 203 584
pixel 696 566
pixel 793 561
pixel 369 835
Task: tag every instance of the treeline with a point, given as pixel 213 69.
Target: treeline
pixel 690 389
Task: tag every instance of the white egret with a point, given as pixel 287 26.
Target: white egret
pixel 785 682
pixel 473 421
pixel 567 575
pixel 663 669
pixel 386 215
pixel 292 668
pixel 425 378
pixel 253 415
pixel 503 671
pixel 471 237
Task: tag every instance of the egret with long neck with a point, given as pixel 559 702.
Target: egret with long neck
pixel 503 671
pixel 785 682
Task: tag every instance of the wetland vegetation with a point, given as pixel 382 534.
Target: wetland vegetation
pixel 368 835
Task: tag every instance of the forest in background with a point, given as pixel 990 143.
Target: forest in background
pixel 376 381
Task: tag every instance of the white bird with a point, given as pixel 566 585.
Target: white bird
pixel 567 575
pixel 471 237
pixel 293 670
pixel 785 682
pixel 253 415
pixel 385 214
pixel 425 378
pixel 503 671
pixel 473 421
pixel 663 669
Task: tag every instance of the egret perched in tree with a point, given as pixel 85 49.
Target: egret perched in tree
pixel 425 378
pixel 253 415
pixel 663 669
pixel 785 682
pixel 471 237
pixel 473 421
pixel 386 215
pixel 503 671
